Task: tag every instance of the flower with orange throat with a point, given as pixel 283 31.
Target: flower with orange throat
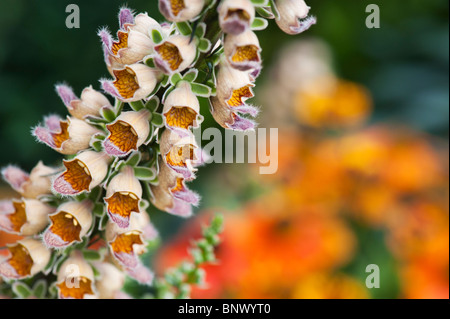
pixel 65 136
pixel 69 224
pixel 89 104
pixel 132 82
pixel 234 87
pixel 27 257
pixel 171 194
pixel 134 41
pixel 86 171
pixel 76 279
pixel 123 196
pixel 32 185
pixel 293 16
pixel 182 110
pixel 236 16
pixel 24 217
pixel 175 54
pixel 243 51
pixel 126 244
pixel 127 133
pixel 180 10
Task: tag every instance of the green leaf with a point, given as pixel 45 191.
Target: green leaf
pixel 21 290
pixel 91 255
pixel 96 145
pixel 274 10
pixel 156 36
pixel 157 120
pixel 175 78
pixel 134 159
pixel 191 75
pixel 165 80
pixel 108 114
pixel 184 28
pixel 40 289
pixel 98 210
pixel 144 173
pixel 149 62
pixel 217 223
pixel 259 3
pixel 136 105
pixel 152 104
pixel 103 222
pixel 201 89
pixel 95 193
pixel 259 24
pixel 200 30
pixel 204 45
pixel 265 12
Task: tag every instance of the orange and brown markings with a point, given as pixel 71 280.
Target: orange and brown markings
pixel 238 95
pixel 123 136
pixel 177 6
pixel 20 260
pixel 170 53
pixel 78 287
pixel 123 243
pixel 77 175
pixel 246 53
pixel 178 155
pixel 19 217
pixel 122 43
pixel 59 138
pixel 242 14
pixel 66 227
pixel 179 186
pixel 126 82
pixel 123 203
pixel 182 117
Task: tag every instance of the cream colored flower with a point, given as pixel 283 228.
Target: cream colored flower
pixel 293 16
pixel 110 281
pixel 236 16
pixel 175 54
pixel 243 51
pixel 180 10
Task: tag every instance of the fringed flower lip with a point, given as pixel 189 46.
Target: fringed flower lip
pixel 127 244
pixel 175 54
pixel 69 224
pixel 182 110
pixel 89 104
pixel 127 133
pixel 65 136
pixel 293 16
pixel 236 16
pixel 234 88
pixel 132 83
pixel 180 10
pixel 76 279
pixel 84 172
pixel 24 217
pixel 243 51
pixel 180 153
pixel 123 195
pixel 26 258
pixel 171 194
pixel 32 185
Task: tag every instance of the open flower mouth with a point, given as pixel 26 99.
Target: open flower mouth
pixel 237 13
pixel 177 6
pixel 78 287
pixel 121 43
pixel 13 222
pixel 170 54
pixel 120 207
pixel 64 230
pixel 181 117
pixel 246 53
pixel 77 176
pixel 122 137
pixel 179 155
pixel 122 247
pixel 19 264
pixel 62 136
pixel 238 95
pixel 126 82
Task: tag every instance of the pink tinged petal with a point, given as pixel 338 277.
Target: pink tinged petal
pixel 183 170
pixel 234 25
pixel 127 260
pixel 180 208
pixel 14 176
pixel 66 94
pixel 247 109
pixel 8 271
pixel 106 39
pixel 162 65
pixel 121 221
pixel 165 8
pixel 242 124
pixel 121 295
pixel 109 88
pixel 142 274
pixel 125 17
pixel 187 196
pixel 54 241
pixel 112 149
pixel 53 123
pixel 256 72
pixel 149 232
pixel 44 135
pixel 61 186
pixel 304 24
pixel 6 208
pixel 181 132
pixel 202 157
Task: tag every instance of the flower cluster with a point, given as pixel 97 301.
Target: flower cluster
pixel 87 222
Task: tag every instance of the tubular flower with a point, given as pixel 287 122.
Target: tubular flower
pixel 32 185
pixel 293 16
pixel 236 16
pixel 90 103
pixel 110 281
pixel 182 110
pixel 131 83
pixel 123 195
pixel 24 217
pixel 66 137
pixel 243 51
pixel 127 133
pixel 171 194
pixel 233 88
pixel 181 10
pixel 180 153
pixel 175 54
pixel 133 40
pixel 26 258
pixel 76 279
pixel 127 244
pixel 84 172
pixel 70 223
